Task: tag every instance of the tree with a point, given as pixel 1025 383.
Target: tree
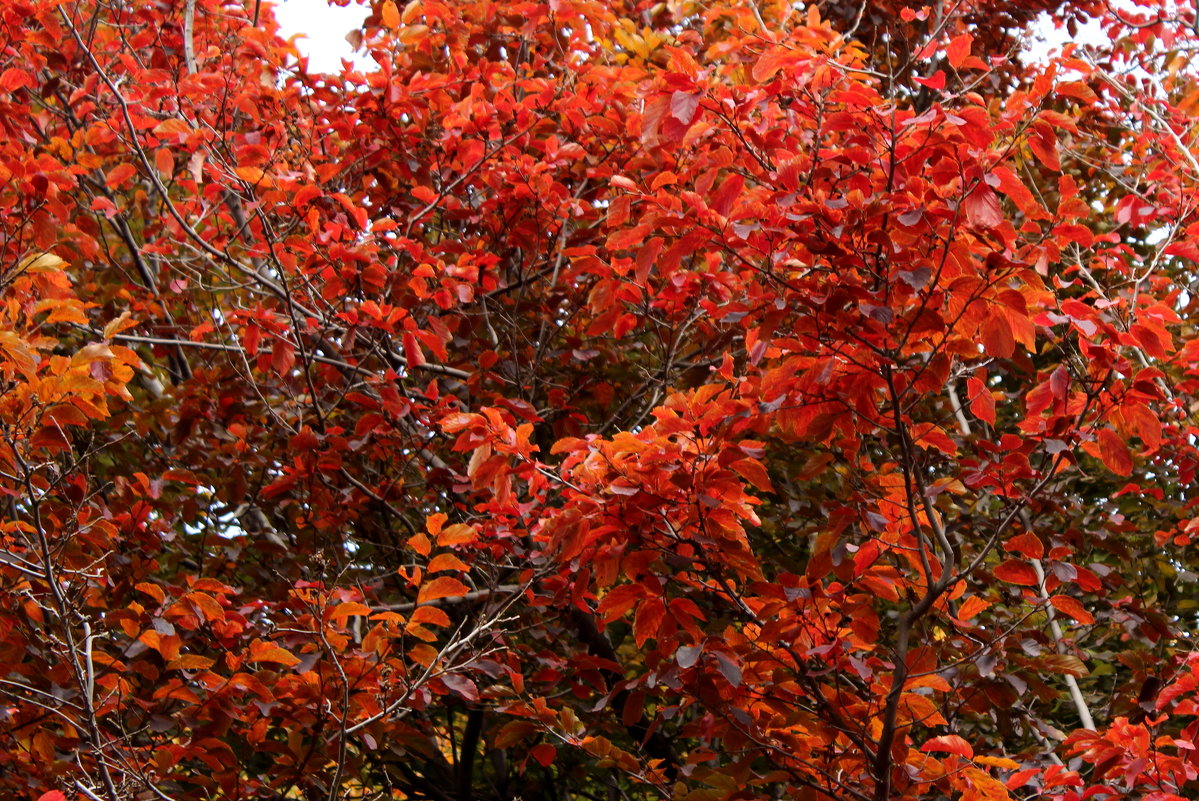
pixel 598 400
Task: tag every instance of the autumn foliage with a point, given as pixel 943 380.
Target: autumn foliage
pixel 599 399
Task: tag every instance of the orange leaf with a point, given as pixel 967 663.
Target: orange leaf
pixel 190 662
pixel 958 49
pixel 1140 421
pixel 1014 188
pixel 208 607
pixel 457 534
pixel 349 609
pixel 153 590
pixel 420 543
pixel 446 561
pixel 1072 607
pixel 1079 91
pixel 390 14
pixel 1065 664
pixel 753 472
pixel 430 616
pixel 119 175
pixel 972 607
pixel 262 651
pixel 442 587
pixel 164 162
pixel 251 175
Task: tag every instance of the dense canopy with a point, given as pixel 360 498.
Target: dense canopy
pixel 597 400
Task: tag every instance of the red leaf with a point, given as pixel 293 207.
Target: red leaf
pixel 1014 188
pixel 683 106
pixel 1021 778
pixel 412 350
pixel 997 337
pixel 651 118
pixel 982 404
pixel 620 600
pixel 1043 143
pixel 723 199
pixel 648 620
pixel 951 743
pixel 283 356
pixel 930 435
pixel 1027 544
pixel 1140 421
pixel 544 754
pixel 982 207
pixel 461 685
pixel 1017 571
pixel 11 80
pixel 935 81
pixel 1114 452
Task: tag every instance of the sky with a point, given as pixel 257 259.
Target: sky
pixel 325 27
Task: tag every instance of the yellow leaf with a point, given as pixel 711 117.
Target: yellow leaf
pixel 997 762
pixel 42 263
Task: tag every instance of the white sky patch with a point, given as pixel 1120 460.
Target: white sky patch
pixel 1047 40
pixel 323 29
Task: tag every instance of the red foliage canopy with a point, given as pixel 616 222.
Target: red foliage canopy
pixel 599 399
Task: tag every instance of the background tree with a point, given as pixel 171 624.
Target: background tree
pixel 598 400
